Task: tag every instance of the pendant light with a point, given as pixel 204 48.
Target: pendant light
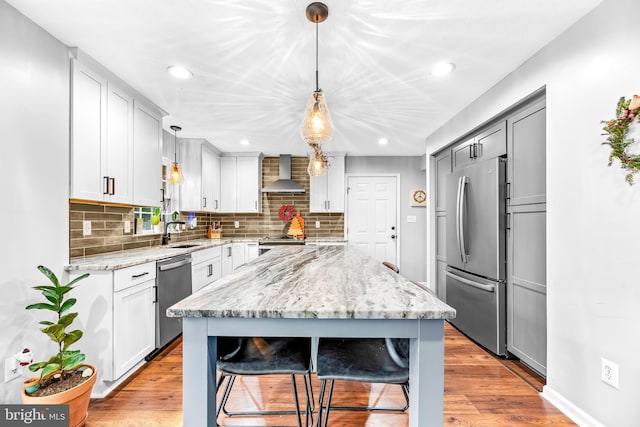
pixel 318 162
pixel 175 176
pixel 317 126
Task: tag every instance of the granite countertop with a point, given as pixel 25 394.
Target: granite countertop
pixel 118 260
pixel 313 282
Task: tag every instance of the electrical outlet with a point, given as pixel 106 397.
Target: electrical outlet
pixel 11 369
pixel 127 227
pixel 236 224
pixel 610 373
pixel 86 228
pixel 317 224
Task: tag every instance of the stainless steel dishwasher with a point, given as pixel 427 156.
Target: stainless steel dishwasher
pixel 173 283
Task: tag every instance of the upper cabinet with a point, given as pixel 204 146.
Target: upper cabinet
pixel 147 155
pixel 115 141
pixel 210 180
pixel 526 142
pixel 327 190
pixel 492 142
pixel 241 182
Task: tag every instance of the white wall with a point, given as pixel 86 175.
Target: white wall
pixel 592 214
pixel 412 177
pixel 34 118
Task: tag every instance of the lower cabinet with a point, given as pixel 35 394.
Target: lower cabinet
pixel 251 251
pixel 227 259
pixel 133 306
pixel 206 267
pixel 116 311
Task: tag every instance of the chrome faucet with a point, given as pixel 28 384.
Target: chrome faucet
pixel 166 236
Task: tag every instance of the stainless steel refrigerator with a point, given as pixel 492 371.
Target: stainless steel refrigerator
pixel 475 237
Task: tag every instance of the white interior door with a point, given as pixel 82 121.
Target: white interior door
pixel 372 215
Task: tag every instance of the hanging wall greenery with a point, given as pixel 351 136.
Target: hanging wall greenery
pixel 626 113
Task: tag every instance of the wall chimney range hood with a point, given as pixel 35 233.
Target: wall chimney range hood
pixel 284 184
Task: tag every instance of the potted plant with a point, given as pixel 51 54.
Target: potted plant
pixel 155 220
pixel 64 378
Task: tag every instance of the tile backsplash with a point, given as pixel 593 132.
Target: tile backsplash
pixel 107 221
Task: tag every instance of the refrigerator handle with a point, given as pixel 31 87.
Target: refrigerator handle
pixel 488 288
pixel 458 218
pixel 461 215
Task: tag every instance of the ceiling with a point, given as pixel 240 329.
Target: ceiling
pixel 254 62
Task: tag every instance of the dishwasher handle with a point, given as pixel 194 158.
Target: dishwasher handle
pixel 166 267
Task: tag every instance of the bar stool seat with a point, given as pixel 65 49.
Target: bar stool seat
pixel 372 360
pixel 265 356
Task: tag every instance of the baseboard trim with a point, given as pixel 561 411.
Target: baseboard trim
pixel 576 414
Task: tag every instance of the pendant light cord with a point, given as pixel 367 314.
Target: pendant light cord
pixel 317 86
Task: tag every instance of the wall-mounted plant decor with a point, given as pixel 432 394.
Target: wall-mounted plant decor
pixel 617 129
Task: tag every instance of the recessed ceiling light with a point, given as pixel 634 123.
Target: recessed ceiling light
pixel 383 141
pixel 244 142
pixel 179 72
pixel 442 68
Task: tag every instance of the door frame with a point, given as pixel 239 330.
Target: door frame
pixel 398 222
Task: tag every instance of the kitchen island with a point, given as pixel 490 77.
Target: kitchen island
pixel 318 291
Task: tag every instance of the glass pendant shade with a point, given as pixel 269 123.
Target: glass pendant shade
pixel 317 126
pixel 175 176
pixel 318 162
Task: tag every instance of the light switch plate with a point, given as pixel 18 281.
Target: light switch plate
pixel 86 228
pixel 317 224
pixel 236 224
pixel 127 227
pixel 411 218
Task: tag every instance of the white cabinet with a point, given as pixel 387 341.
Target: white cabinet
pixel 241 182
pixel 238 253
pixel 190 160
pixel 327 191
pixel 210 180
pixel 251 251
pixel 227 259
pixel 206 267
pixel 115 142
pixel 147 155
pixel 117 312
pixel 101 145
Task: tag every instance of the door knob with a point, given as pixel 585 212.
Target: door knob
pixel 393 227
pixel 393 236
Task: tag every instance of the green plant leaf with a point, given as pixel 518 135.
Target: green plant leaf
pixel 67 319
pixel 37 366
pixel 71 359
pixel 72 337
pixel 77 279
pixel 67 305
pixel 50 275
pixel 55 332
pixel 49 369
pixel 43 306
pixel 45 322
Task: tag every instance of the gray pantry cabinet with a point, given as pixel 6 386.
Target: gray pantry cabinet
pixel 521 133
pixel 526 236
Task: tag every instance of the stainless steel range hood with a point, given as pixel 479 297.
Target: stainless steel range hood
pixel 284 184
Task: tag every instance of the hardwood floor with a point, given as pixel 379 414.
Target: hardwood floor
pixel 480 390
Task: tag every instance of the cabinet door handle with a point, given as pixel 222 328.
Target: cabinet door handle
pixel 105 185
pixel 162 198
pixel 136 276
pixel 471 151
pixel 204 202
pixel 216 208
pixel 112 185
pixel 328 205
pixel 256 205
pixel 508 227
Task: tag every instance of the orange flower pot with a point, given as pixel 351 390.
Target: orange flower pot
pixel 77 398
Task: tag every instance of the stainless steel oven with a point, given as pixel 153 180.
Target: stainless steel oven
pixel 268 243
